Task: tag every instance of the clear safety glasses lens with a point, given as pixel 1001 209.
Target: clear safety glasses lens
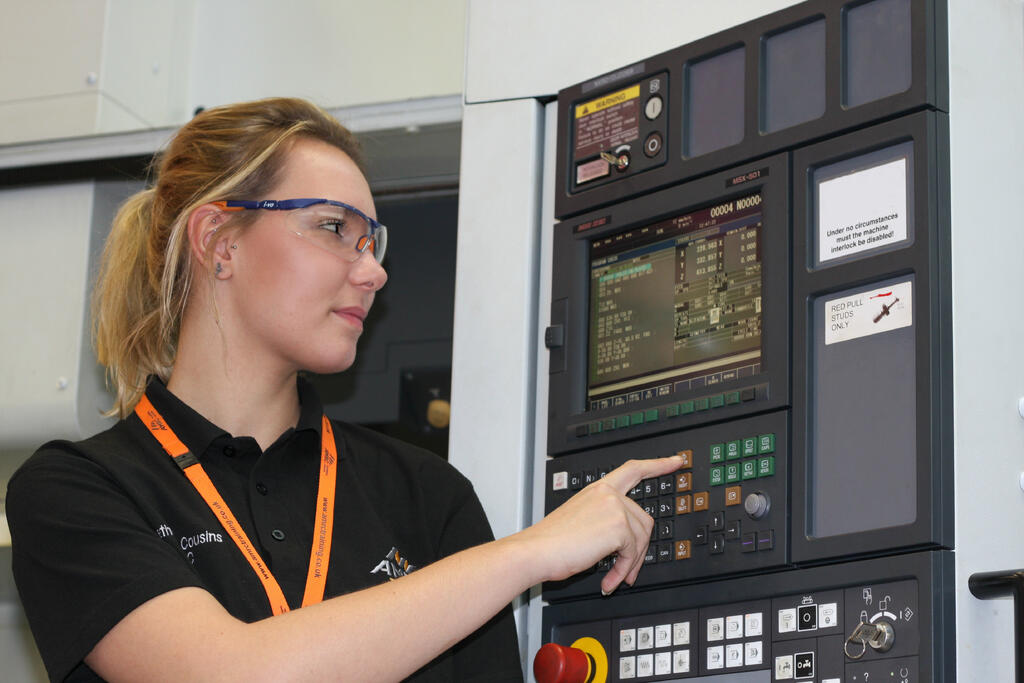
pixel 340 231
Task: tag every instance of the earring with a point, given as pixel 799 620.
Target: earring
pixel 213 220
pixel 234 246
pixel 220 267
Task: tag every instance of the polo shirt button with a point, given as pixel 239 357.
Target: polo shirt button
pixel 277 534
pixel 261 488
pixel 229 451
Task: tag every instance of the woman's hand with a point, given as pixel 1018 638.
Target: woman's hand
pixel 599 521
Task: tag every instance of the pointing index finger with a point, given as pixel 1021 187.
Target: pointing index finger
pixel 632 472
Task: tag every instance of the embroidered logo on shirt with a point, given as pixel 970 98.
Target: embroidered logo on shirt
pixel 189 543
pixel 196 540
pixel 394 565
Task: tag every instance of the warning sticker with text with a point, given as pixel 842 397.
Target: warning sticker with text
pixel 867 313
pixel 862 210
pixel 607 122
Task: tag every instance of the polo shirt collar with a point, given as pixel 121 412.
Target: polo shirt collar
pixel 197 433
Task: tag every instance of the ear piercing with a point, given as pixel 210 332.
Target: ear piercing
pixel 234 246
pixel 220 267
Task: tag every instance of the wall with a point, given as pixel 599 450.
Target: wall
pixel 71 68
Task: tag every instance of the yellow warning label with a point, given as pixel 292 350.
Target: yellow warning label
pixel 588 108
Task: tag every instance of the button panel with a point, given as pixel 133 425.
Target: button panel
pixel 727 639
pixel 629 418
pixel 761 634
pixel 671 650
pixel 711 529
pixel 733 638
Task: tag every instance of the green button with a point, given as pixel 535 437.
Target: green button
pixel 732 473
pixel 651 415
pixel 636 419
pixel 700 404
pixel 749 446
pixel 732 397
pixel 622 421
pixel 672 410
pixel 732 450
pixel 717 401
pixel 595 427
pixel 766 466
pixel 716 476
pixel 718 452
pixel 749 470
pixel 686 407
pixel 609 424
pixel 766 443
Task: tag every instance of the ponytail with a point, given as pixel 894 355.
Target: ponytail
pixel 126 306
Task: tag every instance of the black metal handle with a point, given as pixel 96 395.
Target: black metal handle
pixel 1009 583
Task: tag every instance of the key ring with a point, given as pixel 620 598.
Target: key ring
pixel 863 648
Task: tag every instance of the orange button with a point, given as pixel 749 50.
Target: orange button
pixel 700 501
pixel 684 481
pixel 733 495
pixel 683 505
pixel 682 550
pixel 687 457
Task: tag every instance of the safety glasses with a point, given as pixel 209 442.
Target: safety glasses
pixel 334 226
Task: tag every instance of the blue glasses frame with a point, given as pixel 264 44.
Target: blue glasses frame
pixel 376 241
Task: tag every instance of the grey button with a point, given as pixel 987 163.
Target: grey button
pixel 261 488
pixel 277 534
pixel 652 109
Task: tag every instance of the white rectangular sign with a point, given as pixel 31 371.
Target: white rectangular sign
pixel 862 210
pixel 867 313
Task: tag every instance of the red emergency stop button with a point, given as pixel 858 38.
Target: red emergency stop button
pixel 556 663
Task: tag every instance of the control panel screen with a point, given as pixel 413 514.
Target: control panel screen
pixel 675 305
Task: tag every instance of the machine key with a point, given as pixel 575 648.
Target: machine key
pixel 878 636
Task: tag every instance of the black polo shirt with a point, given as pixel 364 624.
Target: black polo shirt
pixel 103 525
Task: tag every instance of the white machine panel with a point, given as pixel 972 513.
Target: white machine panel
pixel 47 251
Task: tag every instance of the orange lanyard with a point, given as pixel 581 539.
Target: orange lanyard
pixel 320 555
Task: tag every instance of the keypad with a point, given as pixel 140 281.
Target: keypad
pixel 654 649
pixel 753 447
pixel 721 639
pixel 699 510
pixel 734 641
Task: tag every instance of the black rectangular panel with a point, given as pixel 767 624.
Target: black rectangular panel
pixel 793 76
pixel 877 55
pixel 891 379
pixel 863 408
pixel 713 105
pixel 730 97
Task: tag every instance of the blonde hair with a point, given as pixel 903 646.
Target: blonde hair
pixel 230 152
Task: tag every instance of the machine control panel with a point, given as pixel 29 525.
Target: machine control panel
pixel 723 512
pixel 712 300
pixel 797 637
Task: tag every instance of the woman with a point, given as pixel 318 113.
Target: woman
pixel 156 549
